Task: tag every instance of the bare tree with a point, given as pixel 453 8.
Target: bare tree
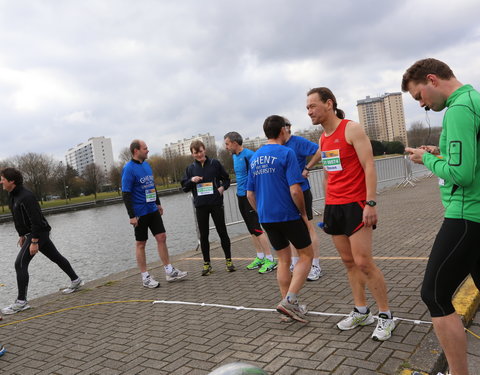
pixel 124 156
pixel 226 160
pixel 160 167
pixel 38 170
pixel 93 177
pixel 419 134
pixel 115 177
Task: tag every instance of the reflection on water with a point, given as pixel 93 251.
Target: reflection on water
pixel 97 242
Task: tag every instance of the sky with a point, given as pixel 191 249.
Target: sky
pixel 164 70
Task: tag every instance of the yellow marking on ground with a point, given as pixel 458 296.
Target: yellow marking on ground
pixel 410 372
pixel 324 258
pixel 467 299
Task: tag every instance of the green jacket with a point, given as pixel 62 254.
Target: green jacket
pixel 458 168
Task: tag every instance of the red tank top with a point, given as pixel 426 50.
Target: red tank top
pixel 346 178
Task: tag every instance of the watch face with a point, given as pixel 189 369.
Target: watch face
pixel 371 203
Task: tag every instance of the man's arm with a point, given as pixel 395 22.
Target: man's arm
pixel 297 196
pixel 355 135
pixel 251 199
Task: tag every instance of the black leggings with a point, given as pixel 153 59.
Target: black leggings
pixel 47 248
pixel 218 216
pixel 455 254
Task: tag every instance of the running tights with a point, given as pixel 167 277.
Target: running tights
pixel 203 219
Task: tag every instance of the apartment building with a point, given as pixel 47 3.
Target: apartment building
pixel 96 150
pixel 182 147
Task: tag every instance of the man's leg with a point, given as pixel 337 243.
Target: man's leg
pixel 284 276
pixel 451 335
pixel 162 248
pixel 140 255
pixel 302 268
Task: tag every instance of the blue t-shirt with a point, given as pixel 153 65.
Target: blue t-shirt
pixel 273 169
pixel 303 148
pixel 240 165
pixel 137 179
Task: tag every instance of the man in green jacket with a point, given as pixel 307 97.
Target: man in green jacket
pixel 456 162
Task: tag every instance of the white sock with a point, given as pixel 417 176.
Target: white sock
pixel 76 280
pixel 168 268
pixel 387 313
pixel 362 309
pixel 316 262
pixel 260 255
pixel 145 275
pixel 294 260
pixel 20 301
pixel 270 257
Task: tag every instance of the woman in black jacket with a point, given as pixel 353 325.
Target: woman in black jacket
pixel 207 180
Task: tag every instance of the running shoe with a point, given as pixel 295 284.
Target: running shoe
pixel 74 286
pixel 150 282
pixel 175 275
pixel 293 310
pixel 257 263
pixel 384 328
pixel 315 273
pixel 229 265
pixel 268 266
pixel 2 350
pixel 15 307
pixel 355 319
pixel 287 319
pixel 207 269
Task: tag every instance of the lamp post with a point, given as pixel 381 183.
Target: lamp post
pixel 64 184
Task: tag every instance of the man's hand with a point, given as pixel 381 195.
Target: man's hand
pixel 197 179
pixel 21 241
pixel 416 154
pixel 434 150
pixel 134 221
pixel 305 173
pixel 33 249
pixel 221 189
pixel 370 216
pixel 160 209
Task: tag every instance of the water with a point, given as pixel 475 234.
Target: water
pixel 97 242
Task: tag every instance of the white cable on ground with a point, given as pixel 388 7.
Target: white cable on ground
pixel 203 304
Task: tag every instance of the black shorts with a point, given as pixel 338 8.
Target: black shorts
pixel 295 231
pixel 343 219
pixel 250 216
pixel 153 221
pixel 307 196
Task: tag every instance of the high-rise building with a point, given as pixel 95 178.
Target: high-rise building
pixel 182 147
pixel 383 117
pixel 96 150
pixel 254 143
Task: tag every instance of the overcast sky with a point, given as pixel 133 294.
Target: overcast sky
pixel 164 70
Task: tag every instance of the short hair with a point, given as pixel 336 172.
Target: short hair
pixel 196 145
pixel 418 72
pixel 287 122
pixel 12 174
pixel 135 145
pixel 325 94
pixel 234 137
pixel 272 126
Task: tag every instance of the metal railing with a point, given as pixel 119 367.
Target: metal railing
pixel 392 171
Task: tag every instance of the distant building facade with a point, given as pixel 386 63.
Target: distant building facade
pixel 182 147
pixel 254 143
pixel 96 150
pixel 383 117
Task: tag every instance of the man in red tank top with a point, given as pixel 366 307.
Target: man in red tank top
pixel 350 212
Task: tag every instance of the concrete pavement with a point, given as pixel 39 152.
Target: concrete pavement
pixel 112 326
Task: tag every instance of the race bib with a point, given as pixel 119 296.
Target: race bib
pixel 205 189
pixel 331 160
pixel 150 195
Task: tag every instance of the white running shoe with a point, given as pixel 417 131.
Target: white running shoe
pixel 176 274
pixel 15 308
pixel 74 286
pixel 384 328
pixel 355 319
pixel 151 283
pixel 315 273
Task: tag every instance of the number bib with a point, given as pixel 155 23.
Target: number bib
pixel 205 189
pixel 331 160
pixel 150 195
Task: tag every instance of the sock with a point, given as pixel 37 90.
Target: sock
pixel 260 255
pixel 168 268
pixel 292 298
pixel 145 275
pixel 270 257
pixel 388 314
pixel 362 309
pixel 76 280
pixel 21 301
pixel 316 262
pixel 294 260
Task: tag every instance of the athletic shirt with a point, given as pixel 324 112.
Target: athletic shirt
pixel 346 178
pixel 273 169
pixel 137 179
pixel 240 165
pixel 303 148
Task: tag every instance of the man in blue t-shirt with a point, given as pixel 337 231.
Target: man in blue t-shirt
pixel 241 156
pixel 273 189
pixel 144 209
pixel 304 148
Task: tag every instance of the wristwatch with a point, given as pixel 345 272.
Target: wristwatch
pixel 371 203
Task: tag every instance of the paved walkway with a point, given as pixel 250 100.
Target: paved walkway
pixel 138 337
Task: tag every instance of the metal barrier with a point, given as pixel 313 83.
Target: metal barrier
pixel 392 171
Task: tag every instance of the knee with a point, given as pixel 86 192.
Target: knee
pixel 438 304
pixel 161 237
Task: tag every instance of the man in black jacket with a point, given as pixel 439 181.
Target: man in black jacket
pixel 207 180
pixel 34 232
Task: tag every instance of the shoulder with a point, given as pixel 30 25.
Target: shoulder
pixel 354 131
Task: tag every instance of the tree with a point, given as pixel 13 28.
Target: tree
pixel 115 177
pixel 394 147
pixel 125 156
pixel 418 134
pixel 37 170
pixel 377 147
pixel 226 160
pixel 93 177
pixel 160 167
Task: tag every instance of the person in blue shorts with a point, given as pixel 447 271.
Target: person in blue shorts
pixel 274 191
pixel 304 148
pixel 144 210
pixel 241 156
